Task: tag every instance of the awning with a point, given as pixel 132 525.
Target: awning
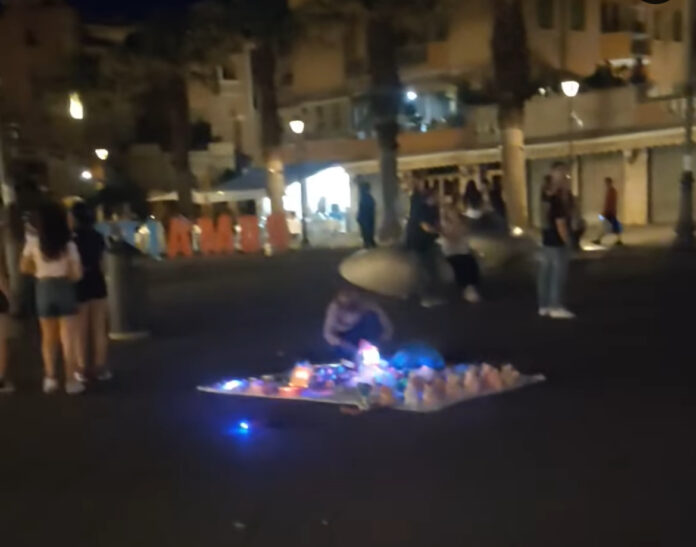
pixel 249 185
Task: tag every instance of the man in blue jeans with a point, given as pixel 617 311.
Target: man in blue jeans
pixel 555 251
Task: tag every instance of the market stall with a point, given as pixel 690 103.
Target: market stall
pixel 415 379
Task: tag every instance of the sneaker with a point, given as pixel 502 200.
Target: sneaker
pixel 104 375
pixel 80 377
pixel 50 385
pixel 6 387
pixel 431 302
pixel 544 312
pixel 73 387
pixel 471 295
pixel 561 313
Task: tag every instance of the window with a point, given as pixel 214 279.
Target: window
pixel 337 116
pixel 677 26
pixel 610 17
pixel 319 112
pixel 657 25
pixel 545 13
pixel 577 15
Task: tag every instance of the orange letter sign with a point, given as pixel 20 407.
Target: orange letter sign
pixel 278 234
pixel 224 241
pixel 179 237
pixel 251 240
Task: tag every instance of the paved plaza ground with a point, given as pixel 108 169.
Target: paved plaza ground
pixel 600 455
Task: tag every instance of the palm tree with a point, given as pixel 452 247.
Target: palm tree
pixel 384 20
pixel 511 61
pixel 162 55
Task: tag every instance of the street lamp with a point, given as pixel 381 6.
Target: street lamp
pixel 102 153
pixel 570 89
pixel 86 174
pixel 75 107
pixel 298 127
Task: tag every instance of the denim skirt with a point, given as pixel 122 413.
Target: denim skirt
pixel 55 297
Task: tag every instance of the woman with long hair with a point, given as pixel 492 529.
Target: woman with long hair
pixel 53 259
pixel 91 296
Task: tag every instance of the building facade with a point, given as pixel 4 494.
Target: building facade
pixel 629 132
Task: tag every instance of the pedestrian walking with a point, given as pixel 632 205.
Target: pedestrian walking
pixel 421 237
pixel 54 260
pixel 496 199
pixel 366 216
pixel 91 297
pixel 610 219
pixel 455 246
pixel 6 385
pixel 556 241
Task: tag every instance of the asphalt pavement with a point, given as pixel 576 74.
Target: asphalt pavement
pixel 601 454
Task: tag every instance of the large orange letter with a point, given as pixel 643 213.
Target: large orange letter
pixel 278 234
pixel 251 240
pixel 207 241
pixel 179 238
pixel 224 241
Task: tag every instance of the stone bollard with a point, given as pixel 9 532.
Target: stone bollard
pixel 127 285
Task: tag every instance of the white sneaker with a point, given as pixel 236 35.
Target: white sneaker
pixel 544 312
pixel 73 387
pixel 80 377
pixel 50 385
pixel 6 387
pixel 561 313
pixel 471 295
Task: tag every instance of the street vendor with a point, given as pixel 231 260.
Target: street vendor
pixel 352 317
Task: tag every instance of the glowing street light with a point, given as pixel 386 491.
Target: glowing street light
pixel 75 107
pixel 297 127
pixel 102 153
pixel 411 95
pixel 86 175
pixel 570 88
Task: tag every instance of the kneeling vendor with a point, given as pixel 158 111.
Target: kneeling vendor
pixel 352 317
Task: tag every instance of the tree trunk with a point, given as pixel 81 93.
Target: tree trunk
pixel 511 121
pixel 263 69
pixel 275 179
pixel 385 101
pixel 179 127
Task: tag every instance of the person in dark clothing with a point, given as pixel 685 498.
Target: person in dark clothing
pixel 495 195
pixel 421 237
pixel 91 295
pixel 473 200
pixel 366 216
pixel 556 241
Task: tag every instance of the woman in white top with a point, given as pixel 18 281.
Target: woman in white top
pixel 53 259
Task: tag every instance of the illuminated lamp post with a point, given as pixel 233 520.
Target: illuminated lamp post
pixel 298 127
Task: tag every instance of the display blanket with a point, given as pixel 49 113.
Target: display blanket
pixel 415 380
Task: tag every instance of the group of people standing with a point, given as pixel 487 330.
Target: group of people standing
pixel 64 256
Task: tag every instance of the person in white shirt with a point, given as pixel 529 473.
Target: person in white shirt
pixel 455 246
pixel 53 259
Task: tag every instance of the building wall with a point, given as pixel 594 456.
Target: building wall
pixel 665 176
pixel 36 42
